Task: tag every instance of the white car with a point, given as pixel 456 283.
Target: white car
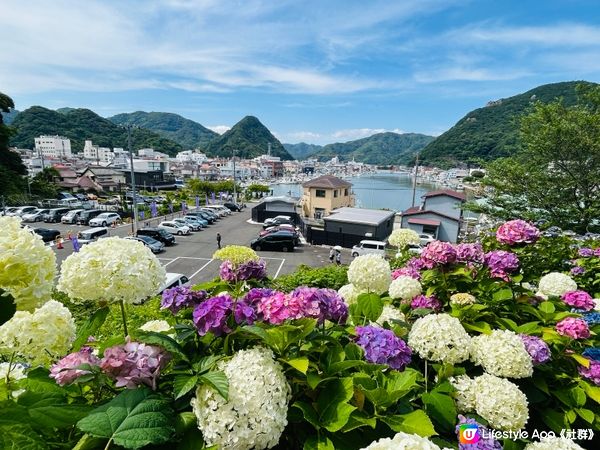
pixel 426 239
pixel 222 211
pixel 174 228
pixel 369 247
pixel 105 219
pixel 72 216
pixel 23 210
pixel 34 216
pixel 275 220
pixel 194 226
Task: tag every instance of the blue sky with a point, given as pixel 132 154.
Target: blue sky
pixel 317 71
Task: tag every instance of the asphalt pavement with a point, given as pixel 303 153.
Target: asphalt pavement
pixel 192 255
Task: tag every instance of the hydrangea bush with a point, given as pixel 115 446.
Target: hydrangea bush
pixel 500 335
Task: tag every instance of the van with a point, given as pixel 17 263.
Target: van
pixel 369 247
pixel 173 279
pixel 92 234
pixel 72 216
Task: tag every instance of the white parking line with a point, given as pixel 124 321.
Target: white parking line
pixel 280 266
pixel 201 268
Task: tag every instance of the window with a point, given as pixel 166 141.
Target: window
pixel 430 229
pixel 320 193
pixel 346 192
pixel 335 193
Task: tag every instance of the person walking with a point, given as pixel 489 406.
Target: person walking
pixel 331 255
pixel 338 258
pixel 219 240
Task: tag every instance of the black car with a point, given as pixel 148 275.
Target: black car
pixel 232 206
pixel 202 215
pixel 159 234
pixel 55 214
pixel 88 214
pixel 47 234
pixel 280 240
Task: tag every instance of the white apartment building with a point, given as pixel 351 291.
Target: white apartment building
pixel 53 147
pixel 191 156
pixel 102 155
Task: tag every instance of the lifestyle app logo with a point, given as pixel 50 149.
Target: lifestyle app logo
pixel 468 433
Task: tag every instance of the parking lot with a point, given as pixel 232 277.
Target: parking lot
pixel 192 255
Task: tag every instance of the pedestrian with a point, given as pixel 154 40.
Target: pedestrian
pixel 338 258
pixel 219 240
pixel 331 255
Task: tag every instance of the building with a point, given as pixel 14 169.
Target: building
pixel 57 147
pixel 104 178
pixel 440 215
pixel 102 155
pixel 324 194
pixel 275 206
pixel 191 156
pixel 363 223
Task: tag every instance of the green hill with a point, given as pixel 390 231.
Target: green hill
pixel 79 125
pixel 249 138
pixel 302 150
pixel 382 148
pixel 492 131
pixel 187 133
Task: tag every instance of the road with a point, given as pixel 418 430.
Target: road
pixel 192 255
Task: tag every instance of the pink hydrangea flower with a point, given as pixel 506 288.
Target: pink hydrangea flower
pixel 469 253
pixel 579 299
pixel 501 263
pixel 406 272
pixel 278 307
pixel 65 372
pixel 592 373
pixel 438 253
pixel 517 232
pixel 573 327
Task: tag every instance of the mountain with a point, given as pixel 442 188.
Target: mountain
pixel 79 125
pixel 187 133
pixel 493 131
pixel 248 138
pixel 302 150
pixel 382 148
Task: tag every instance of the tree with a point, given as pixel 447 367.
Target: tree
pixel 556 174
pixel 11 167
pixel 43 185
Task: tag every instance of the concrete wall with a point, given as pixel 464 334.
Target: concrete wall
pixel 448 230
pixel 444 205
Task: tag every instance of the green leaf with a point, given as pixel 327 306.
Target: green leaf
pixel 162 340
pixel 580 359
pixel 309 413
pixel 592 392
pixel 528 328
pixel 90 327
pixel 585 414
pixel 184 384
pixel 88 442
pixel 20 437
pixel 416 422
pixel 503 294
pixel 481 327
pixel 300 364
pixel 133 419
pixel 52 410
pixel 353 351
pixel 578 396
pixel 218 381
pixel 369 306
pixel 441 408
pixel 318 443
pixel 332 403
pixel 547 307
pixel 344 365
pixel 359 419
pixel 206 363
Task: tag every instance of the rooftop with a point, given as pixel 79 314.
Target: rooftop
pixel 446 192
pixel 360 215
pixel 327 182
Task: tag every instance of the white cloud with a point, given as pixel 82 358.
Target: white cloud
pixel 434 75
pixel 311 137
pixel 220 129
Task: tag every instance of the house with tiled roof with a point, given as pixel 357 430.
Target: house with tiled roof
pixel 323 194
pixel 440 215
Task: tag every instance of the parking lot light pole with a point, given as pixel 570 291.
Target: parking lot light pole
pixel 234 190
pixel 132 173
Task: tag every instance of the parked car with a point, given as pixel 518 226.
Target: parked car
pixel 92 234
pixel 219 209
pixel 211 213
pixel 154 245
pixel 232 206
pixel 55 214
pixel 426 239
pixel 72 216
pixel 283 228
pixel 35 216
pixel 87 214
pixel 198 217
pixel 369 247
pixel 192 224
pixel 280 240
pixel 158 234
pixel 105 219
pixel 20 211
pixel 174 228
pixel 279 220
pixel 172 280
pixel 9 211
pixel 47 234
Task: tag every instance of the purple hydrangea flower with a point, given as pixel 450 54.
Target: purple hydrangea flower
pixel 579 299
pixel 134 364
pixel 577 270
pixel 585 252
pixel 211 315
pixel 517 232
pixel 537 349
pixel 592 373
pixel 470 253
pixel 597 252
pixel 592 353
pixel 244 313
pixel 501 263
pixel 438 253
pixel 321 304
pixel 65 372
pixel 406 272
pixel 256 270
pixel 592 318
pixel 487 443
pixel 421 301
pixel 382 346
pixel 180 297
pixel 255 294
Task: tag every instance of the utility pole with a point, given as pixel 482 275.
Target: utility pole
pixel 132 173
pixel 414 190
pixel 234 190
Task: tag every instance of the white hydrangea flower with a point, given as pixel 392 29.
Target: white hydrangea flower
pixel 462 299
pixel 41 337
pixel 403 237
pixel 465 394
pixel 17 372
pixel 405 288
pixel 502 353
pixel 554 443
pixel 403 441
pixel 27 266
pixel 349 293
pixel 555 284
pixel 500 402
pixel 388 314
pixel 370 273
pixel 597 304
pixel 255 414
pixel 158 326
pixel 440 338
pixel 111 270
